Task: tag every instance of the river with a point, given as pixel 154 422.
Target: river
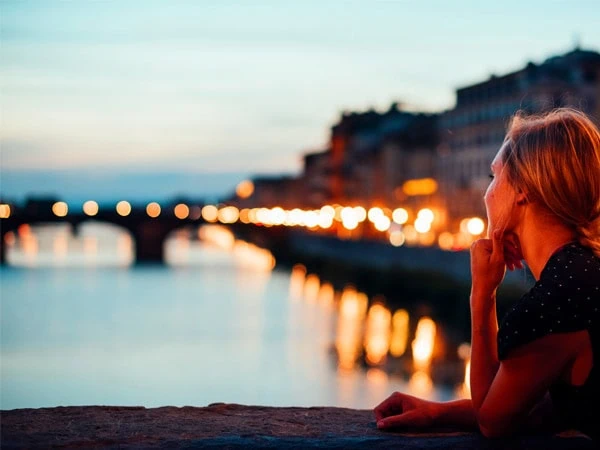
pixel 212 325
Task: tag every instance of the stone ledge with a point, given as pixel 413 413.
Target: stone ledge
pixel 235 426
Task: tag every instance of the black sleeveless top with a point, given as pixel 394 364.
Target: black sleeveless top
pixel 566 298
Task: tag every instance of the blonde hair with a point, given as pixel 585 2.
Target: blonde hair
pixel 554 158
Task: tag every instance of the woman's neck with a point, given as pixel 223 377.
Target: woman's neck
pixel 539 239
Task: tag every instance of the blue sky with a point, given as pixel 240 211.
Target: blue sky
pixel 246 86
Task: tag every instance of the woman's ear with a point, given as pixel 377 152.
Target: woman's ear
pixel 521 198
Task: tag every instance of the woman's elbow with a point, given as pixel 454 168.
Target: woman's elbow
pixel 493 426
pixel 493 432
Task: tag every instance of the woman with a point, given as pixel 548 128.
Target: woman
pixel 539 370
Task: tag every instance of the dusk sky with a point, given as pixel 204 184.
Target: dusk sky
pixel 245 86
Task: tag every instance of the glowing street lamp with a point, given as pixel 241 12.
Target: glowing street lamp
pixel 60 209
pixel 123 208
pixel 90 208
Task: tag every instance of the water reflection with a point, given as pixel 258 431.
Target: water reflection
pixel 244 333
pixel 352 309
pixel 94 244
pixel 370 335
pixel 422 346
pixel 399 333
pixel 377 335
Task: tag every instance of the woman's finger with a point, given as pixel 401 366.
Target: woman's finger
pixel 391 405
pixel 410 419
pixel 497 245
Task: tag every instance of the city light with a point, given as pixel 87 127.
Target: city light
pixel 475 226
pixel 210 213
pixel 446 240
pixel 422 225
pixel 422 186
pixel 400 216
pixel 360 213
pixel 426 214
pixel 60 209
pixel 123 208
pixel 397 238
pixel 245 216
pixel 410 234
pixel 325 220
pixel 294 217
pixel 181 211
pixel 153 209
pixel 245 189
pixel 374 214
pixel 228 214
pixel 263 216
pixel 348 217
pixel 311 219
pixel 463 225
pixel 328 211
pixel 90 208
pixel 277 216
pixel 382 223
pixel 4 211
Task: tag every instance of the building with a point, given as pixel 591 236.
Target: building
pixel 472 132
pixel 373 154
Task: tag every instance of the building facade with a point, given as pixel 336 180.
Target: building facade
pixel 472 132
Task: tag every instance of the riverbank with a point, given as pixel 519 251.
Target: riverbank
pixel 237 426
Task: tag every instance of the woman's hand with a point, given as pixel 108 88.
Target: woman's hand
pixel 403 410
pixel 490 258
pixel 512 252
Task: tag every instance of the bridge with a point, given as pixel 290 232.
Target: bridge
pixel 149 225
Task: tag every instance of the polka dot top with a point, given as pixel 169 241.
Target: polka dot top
pixel 566 298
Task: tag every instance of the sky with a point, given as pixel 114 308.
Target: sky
pixel 241 87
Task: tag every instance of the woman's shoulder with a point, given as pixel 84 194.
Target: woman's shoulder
pixel 566 298
pixel 574 264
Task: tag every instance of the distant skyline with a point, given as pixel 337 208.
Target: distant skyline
pixel 244 87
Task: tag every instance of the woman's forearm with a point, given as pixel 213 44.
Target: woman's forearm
pixel 484 349
pixel 460 414
pixel 456 414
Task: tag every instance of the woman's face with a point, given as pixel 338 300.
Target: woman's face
pixel 500 198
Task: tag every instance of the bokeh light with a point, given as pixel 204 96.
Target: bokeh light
pixel 210 213
pixel 475 226
pixel 397 238
pixel 181 211
pixel 245 189
pixel 400 216
pixel 375 213
pixel 4 211
pixel 426 214
pixel 422 346
pixel 153 209
pixel 90 208
pixel 60 209
pixel 123 208
pixel 446 240
pixel 422 225
pixel 228 214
